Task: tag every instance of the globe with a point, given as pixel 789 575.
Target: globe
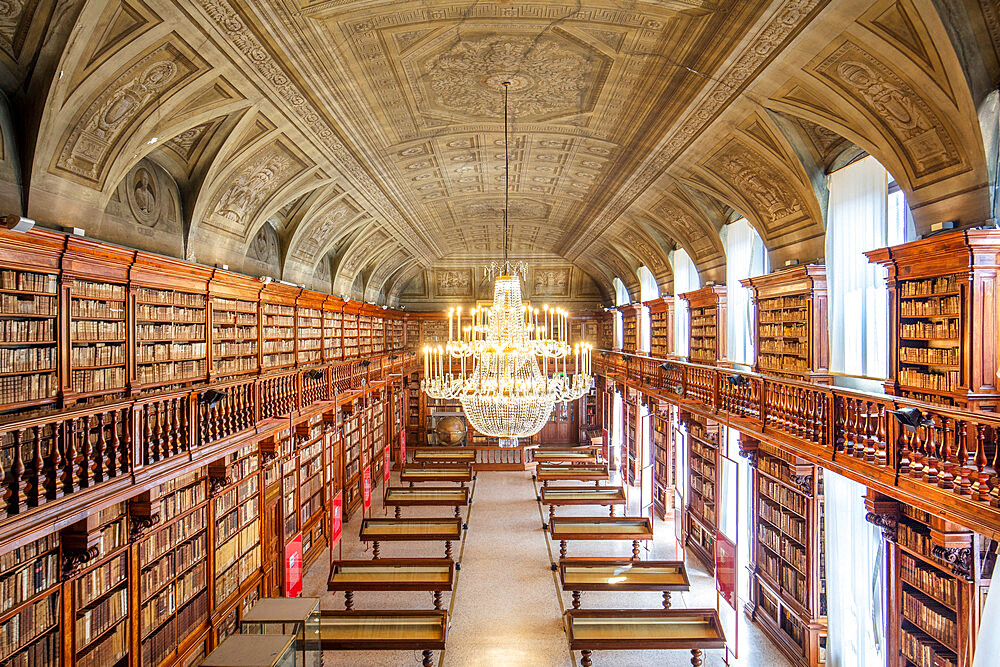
pixel 450 430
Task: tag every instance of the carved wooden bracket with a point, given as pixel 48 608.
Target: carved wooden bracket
pixel 140 525
pixel 748 449
pixel 218 482
pixel 141 515
pixel 804 482
pixel 884 513
pixel 73 561
pixel 958 559
pixel 887 522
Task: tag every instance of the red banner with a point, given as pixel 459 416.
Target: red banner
pixel 725 568
pixel 338 519
pixel 402 448
pixel 293 567
pixel 367 477
pixel 386 465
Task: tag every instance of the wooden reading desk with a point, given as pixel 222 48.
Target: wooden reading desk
pixel 433 575
pixel 376 630
pixel 439 472
pixel 562 472
pixel 634 629
pixel 427 496
pixel 444 454
pixel 633 528
pixel 377 529
pixel 618 574
pixel 554 496
pixel 574 455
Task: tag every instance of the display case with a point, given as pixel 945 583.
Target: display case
pixel 288 616
pixel 790 316
pixel 707 324
pixel 253 651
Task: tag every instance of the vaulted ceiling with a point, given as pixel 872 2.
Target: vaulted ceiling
pixel 360 143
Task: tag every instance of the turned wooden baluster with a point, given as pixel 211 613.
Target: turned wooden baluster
pixel 946 480
pixel 127 441
pixel 931 448
pixel 182 425
pixel 174 434
pixel 100 449
pixel 84 454
pixel 34 493
pixel 903 440
pixel 850 423
pixel 982 472
pixel 147 435
pixel 871 426
pixel 802 412
pixel 55 463
pixel 881 446
pixel 163 429
pixel 968 468
pixel 917 464
pixel 12 476
pixel 112 450
pixel 840 426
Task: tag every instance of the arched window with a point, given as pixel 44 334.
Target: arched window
pixel 648 291
pixel 746 257
pixel 621 299
pixel 685 280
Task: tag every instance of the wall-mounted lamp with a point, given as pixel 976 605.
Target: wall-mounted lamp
pixel 314 374
pixel 211 398
pixel 738 380
pixel 366 363
pixel 910 418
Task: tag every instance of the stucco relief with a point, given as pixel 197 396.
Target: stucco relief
pixel 453 282
pixel 770 193
pixel 317 232
pixel 551 282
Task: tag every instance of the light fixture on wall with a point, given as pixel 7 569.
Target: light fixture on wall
pixel 511 359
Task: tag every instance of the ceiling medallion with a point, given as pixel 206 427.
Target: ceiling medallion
pixel 510 364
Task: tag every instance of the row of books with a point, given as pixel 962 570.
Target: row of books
pixel 175 371
pixel 946 307
pixel 773 303
pixel 22 628
pixel 917 610
pixel 19 305
pixel 948 356
pixel 101 579
pixel 19 388
pixel 945 329
pixel 93 622
pixel 27 359
pixel 111 649
pixel 28 282
pixel 28 580
pixel 924 653
pixel 279 345
pixel 234 365
pixel 154 332
pixel 42 652
pixel 782 331
pixel 27 331
pixel 97 354
pixel 178 315
pixel 111 310
pixel 95 330
pixel 225 320
pixel 912 377
pixel 233 305
pixel 92 290
pixel 169 297
pixel 928 287
pixel 781 346
pixel 930 581
pixel 181 499
pixel 101 379
pixel 169 351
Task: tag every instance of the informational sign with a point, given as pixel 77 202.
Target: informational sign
pixel 725 568
pixel 367 479
pixel 402 448
pixel 293 567
pixel 385 465
pixel 338 519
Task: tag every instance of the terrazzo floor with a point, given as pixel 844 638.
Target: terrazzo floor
pixel 507 608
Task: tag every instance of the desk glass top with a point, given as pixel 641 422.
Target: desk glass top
pixel 600 527
pixel 624 575
pixel 442 473
pixel 446 455
pixel 384 627
pixel 556 469
pixel 379 573
pixel 388 528
pixel 458 495
pixel 582 495
pixel 693 626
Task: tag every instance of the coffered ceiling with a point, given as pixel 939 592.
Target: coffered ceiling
pixel 360 143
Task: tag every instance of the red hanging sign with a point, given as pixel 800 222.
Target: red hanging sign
pixel 367 476
pixel 402 448
pixel 725 568
pixel 293 567
pixel 385 465
pixel 338 519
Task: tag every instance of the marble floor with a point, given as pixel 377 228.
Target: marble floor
pixel 507 607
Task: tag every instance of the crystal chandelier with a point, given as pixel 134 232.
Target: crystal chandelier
pixel 507 364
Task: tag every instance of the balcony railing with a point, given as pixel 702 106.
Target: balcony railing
pixel 947 463
pixel 56 466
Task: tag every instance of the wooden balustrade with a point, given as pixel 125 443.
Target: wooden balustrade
pixel 947 462
pixel 52 455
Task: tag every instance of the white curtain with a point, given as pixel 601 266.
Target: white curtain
pixel 648 291
pixel 855 573
pixel 858 302
pixel 988 640
pixel 746 257
pixel 621 299
pixel 685 280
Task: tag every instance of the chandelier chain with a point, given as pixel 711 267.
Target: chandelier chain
pixel 506 172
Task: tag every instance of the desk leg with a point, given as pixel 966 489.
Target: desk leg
pixel 411 485
pixel 576 599
pixel 458 512
pixel 376 551
pixel 635 549
pixel 348 600
pixel 562 548
pixel 597 483
pixel 552 512
pixel 428 659
pixel 545 483
pixel 585 659
pixel 611 512
pixel 696 660
pixel 437 600
pixel 447 549
pixel 666 599
pixel 398 513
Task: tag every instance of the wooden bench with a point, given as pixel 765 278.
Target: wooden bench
pixel 439 472
pixel 562 472
pixel 426 496
pixel 377 630
pixel 554 496
pixel 637 629
pixel 434 575
pixel 617 574
pixel 444 454
pixel 633 528
pixel 379 529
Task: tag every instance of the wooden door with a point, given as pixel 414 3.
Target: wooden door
pixel 273 553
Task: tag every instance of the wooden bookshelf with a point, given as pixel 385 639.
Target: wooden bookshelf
pixel 173 567
pixel 661 326
pixel 663 467
pixel 703 466
pixel 28 337
pixel 235 332
pixel 789 564
pixel 630 327
pixel 364 335
pixel 236 521
pixel 351 331
pixel 630 428
pixel 30 604
pixel 332 330
pixel 171 336
pixel 606 331
pixel 943 311
pixel 395 330
pixel 707 324
pixel 309 329
pixel 790 323
pixel 412 334
pixel 351 436
pixel 277 326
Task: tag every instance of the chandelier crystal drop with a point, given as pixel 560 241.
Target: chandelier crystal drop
pixel 508 364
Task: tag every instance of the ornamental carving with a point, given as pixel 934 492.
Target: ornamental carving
pixel 362 252
pixel 10 17
pixel 550 282
pixel 454 282
pixel 320 230
pixel 184 144
pixel 637 244
pixel 804 482
pixel 88 150
pixel 887 522
pixel 548 75
pixel 958 559
pixel 264 247
pixel 250 187
pixel 770 193
pixel 900 109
